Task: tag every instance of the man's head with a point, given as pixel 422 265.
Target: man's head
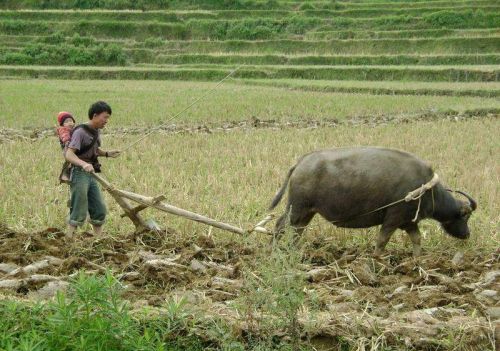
pixel 65 119
pixel 99 113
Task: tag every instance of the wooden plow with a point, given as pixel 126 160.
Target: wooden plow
pixel 123 198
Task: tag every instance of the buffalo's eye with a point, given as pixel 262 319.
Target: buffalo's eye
pixel 463 216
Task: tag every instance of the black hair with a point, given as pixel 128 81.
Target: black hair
pixel 99 107
pixel 68 116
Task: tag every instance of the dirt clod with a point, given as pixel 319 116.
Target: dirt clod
pixel 405 300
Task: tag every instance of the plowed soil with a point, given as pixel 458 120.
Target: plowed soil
pixel 424 304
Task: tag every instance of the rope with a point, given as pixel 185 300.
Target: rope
pixel 418 209
pixel 416 194
pixel 411 196
pixel 184 110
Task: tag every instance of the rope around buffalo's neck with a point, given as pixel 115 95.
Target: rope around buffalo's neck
pixel 411 196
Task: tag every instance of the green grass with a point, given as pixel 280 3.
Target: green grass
pixel 247 27
pixel 340 47
pixel 258 4
pixel 20 50
pixel 383 87
pixel 21 40
pixel 178 16
pixel 143 103
pixel 93 316
pixel 472 59
pixel 416 4
pixel 400 34
pixel 216 73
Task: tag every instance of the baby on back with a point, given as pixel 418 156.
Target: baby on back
pixel 66 123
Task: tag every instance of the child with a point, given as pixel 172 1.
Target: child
pixel 66 124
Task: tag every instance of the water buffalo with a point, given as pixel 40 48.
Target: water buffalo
pixel 346 185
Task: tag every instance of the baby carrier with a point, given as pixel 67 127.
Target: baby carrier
pixel 65 175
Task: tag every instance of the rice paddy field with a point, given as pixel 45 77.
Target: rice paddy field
pixel 420 76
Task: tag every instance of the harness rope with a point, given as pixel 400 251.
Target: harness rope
pixel 184 110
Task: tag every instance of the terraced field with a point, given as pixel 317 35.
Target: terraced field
pixel 317 40
pixel 410 48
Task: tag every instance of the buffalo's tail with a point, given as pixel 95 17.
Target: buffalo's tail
pixel 279 194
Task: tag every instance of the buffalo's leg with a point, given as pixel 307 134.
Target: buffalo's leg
pixel 297 219
pixel 384 235
pixel 279 229
pixel 300 219
pixel 414 234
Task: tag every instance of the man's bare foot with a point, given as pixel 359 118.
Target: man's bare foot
pixel 70 232
pixel 97 230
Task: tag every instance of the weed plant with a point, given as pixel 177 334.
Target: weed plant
pixel 93 316
pixel 273 296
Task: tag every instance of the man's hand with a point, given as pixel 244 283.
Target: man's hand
pixel 113 153
pixel 88 168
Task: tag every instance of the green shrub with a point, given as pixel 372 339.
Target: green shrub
pixel 54 38
pixel 16 58
pixel 299 25
pixel 306 6
pixel 271 4
pixel 456 19
pixel 87 4
pixel 93 316
pixel 248 29
pixel 16 27
pixel 153 42
pixel 77 50
pixel 245 32
pixel 78 40
pixel 76 57
pixel 110 54
pixel 251 28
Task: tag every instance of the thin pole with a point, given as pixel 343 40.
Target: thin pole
pixel 184 110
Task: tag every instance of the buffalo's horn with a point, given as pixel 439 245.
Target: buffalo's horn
pixel 473 203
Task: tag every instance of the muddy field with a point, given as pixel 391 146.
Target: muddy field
pixel 430 303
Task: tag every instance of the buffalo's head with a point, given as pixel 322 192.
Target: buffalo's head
pixel 457 225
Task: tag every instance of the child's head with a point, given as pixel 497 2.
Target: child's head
pixel 65 119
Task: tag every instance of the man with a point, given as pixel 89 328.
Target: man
pixel 83 152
